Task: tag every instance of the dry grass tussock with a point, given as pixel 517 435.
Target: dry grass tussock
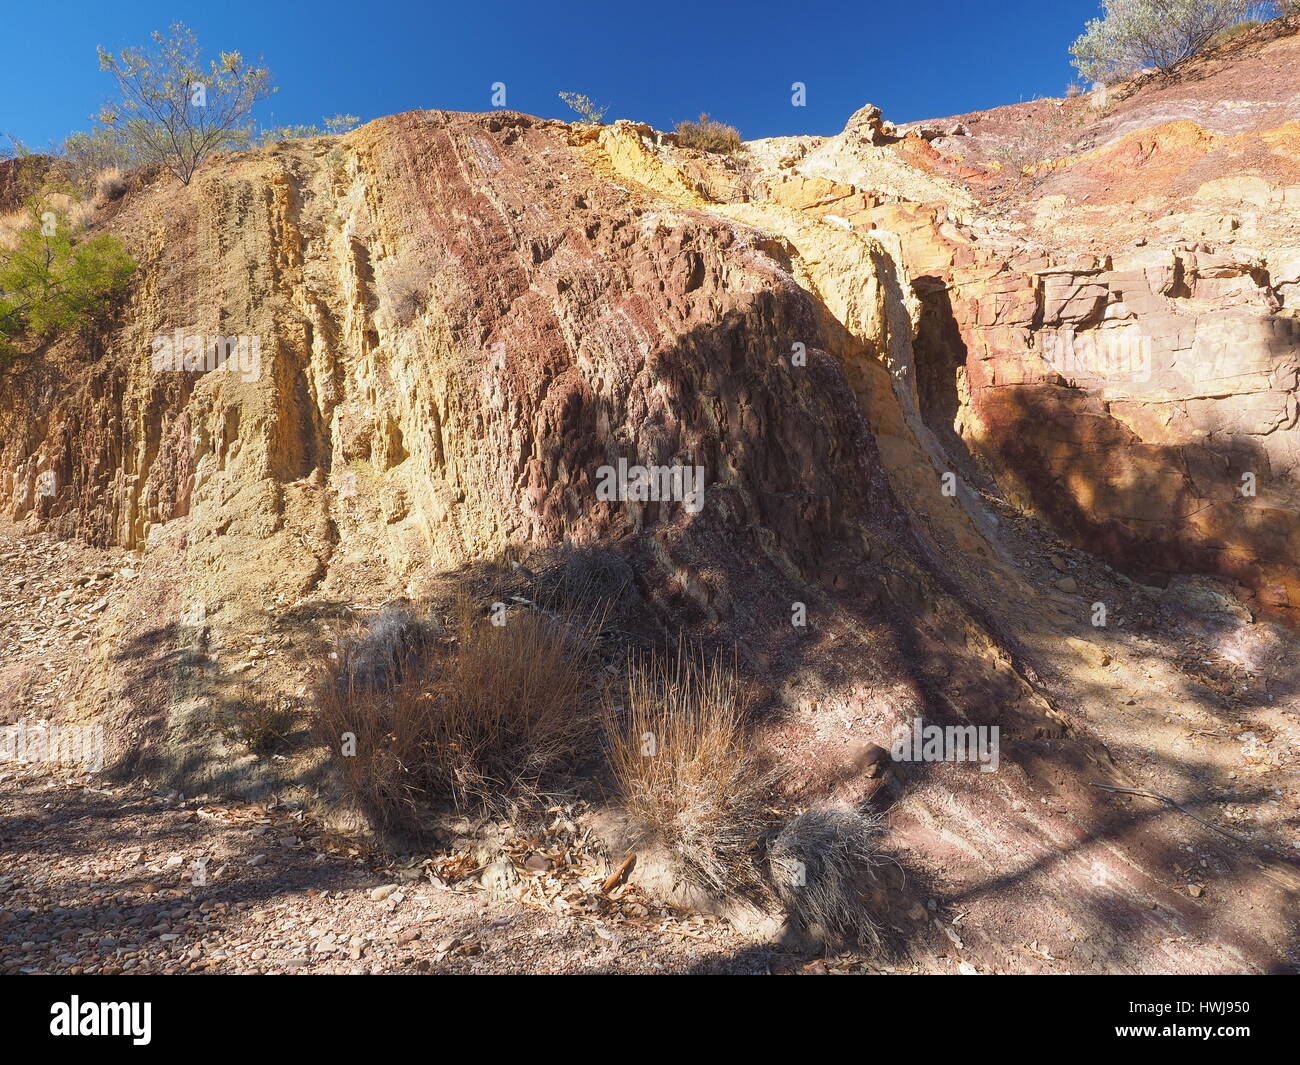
pixel 818 863
pixel 708 135
pixel 678 753
pixel 472 714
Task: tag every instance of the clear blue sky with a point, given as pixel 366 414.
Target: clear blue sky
pixel 656 62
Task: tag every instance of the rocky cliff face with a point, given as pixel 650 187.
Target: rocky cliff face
pixel 1121 347
pixel 444 326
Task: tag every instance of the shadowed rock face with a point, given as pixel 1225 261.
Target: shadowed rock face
pixel 461 319
pixel 1148 407
pixel 1142 398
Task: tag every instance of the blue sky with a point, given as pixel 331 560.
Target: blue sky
pixel 656 62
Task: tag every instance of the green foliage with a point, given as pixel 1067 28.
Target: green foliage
pixel 708 135
pixel 176 112
pixel 52 280
pixel 329 127
pixel 583 106
pixel 1133 34
pixel 85 154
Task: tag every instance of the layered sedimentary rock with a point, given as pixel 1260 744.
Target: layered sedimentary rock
pixel 1143 396
pixel 460 320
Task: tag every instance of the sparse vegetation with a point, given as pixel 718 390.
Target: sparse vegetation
pixel 677 750
pixel 401 288
pixel 110 184
pixel 176 112
pixel 586 579
pixel 818 862
pixel 1134 34
pixel 1039 138
pixel 583 106
pixel 261 724
pixel 54 278
pixel 329 127
pixel 480 716
pixel 85 155
pixel 708 135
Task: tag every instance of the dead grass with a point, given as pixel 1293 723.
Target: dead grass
pixel 818 863
pixel 110 184
pixel 678 754
pixel 479 716
pixel 708 135
pixel 402 290
pixel 11 225
pixel 263 725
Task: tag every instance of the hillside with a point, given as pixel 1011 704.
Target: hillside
pixel 1085 309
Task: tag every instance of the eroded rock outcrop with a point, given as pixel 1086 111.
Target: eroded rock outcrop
pixel 460 319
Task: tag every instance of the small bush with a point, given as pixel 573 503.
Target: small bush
pixel 583 106
pixel 677 751
pixel 53 279
pixel 482 718
pixel 708 135
pixel 586 579
pixel 1133 34
pixel 401 289
pixel 263 725
pixel 85 157
pixel 817 863
pixel 381 653
pixel 110 184
pixel 1037 139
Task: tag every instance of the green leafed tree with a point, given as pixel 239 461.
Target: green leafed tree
pixel 52 279
pixel 1134 34
pixel 176 111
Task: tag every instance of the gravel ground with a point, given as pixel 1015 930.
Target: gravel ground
pixel 103 880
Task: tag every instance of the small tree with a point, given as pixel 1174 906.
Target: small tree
pixel 51 281
pixel 86 154
pixel 1133 34
pixel 173 111
pixel 587 110
pixel 329 127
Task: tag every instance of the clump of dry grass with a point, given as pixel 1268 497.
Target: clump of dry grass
pixel 678 753
pixel 110 184
pixel 512 704
pixel 262 724
pixel 708 135
pixel 81 214
pixel 818 862
pixel 11 225
pixel 479 718
pixel 402 289
pixel 585 578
